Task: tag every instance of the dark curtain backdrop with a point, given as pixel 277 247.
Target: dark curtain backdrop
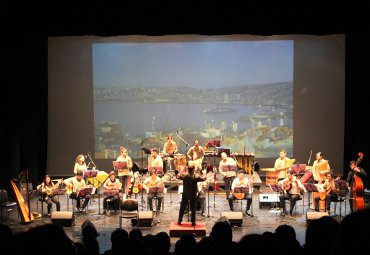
pixel 24 61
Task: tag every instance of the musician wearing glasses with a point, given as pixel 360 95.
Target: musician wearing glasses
pixel 329 190
pixel 111 192
pixel 154 186
pixel 292 187
pixel 227 168
pixel 74 186
pixel 241 188
pixel 48 188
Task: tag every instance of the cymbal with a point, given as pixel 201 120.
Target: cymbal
pixel 271 169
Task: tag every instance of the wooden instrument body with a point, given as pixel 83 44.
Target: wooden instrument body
pixel 358 194
pixel 26 216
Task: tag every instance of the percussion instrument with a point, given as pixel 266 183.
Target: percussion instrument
pixel 179 160
pixel 244 161
pixel 271 175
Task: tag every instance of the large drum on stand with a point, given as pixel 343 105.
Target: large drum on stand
pixel 179 160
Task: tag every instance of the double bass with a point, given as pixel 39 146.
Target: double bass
pixel 357 189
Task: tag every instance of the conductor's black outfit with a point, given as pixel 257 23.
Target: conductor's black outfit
pixel 189 193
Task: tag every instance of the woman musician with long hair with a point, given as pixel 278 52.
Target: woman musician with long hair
pixel 49 195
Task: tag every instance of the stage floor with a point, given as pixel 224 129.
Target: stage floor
pixel 264 219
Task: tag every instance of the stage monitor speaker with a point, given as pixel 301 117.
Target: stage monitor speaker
pixel 234 218
pixel 145 218
pixel 62 218
pixel 310 216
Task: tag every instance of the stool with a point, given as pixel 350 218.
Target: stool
pixel 340 200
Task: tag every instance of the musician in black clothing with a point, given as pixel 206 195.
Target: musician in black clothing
pixel 355 171
pixel 111 187
pixel 189 194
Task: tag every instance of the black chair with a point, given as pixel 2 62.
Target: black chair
pixel 129 210
pixel 5 205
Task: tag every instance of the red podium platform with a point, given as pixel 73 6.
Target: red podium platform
pixel 186 228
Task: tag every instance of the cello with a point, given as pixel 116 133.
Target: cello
pixel 357 189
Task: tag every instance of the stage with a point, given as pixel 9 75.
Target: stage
pixel 265 217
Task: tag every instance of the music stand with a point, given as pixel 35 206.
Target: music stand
pixel 241 190
pixel 341 186
pixel 117 165
pixel 278 189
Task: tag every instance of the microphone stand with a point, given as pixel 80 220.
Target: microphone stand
pixel 186 143
pixel 92 161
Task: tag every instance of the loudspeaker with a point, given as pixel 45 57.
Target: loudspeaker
pixel 268 200
pixel 310 216
pixel 145 218
pixel 62 218
pixel 234 218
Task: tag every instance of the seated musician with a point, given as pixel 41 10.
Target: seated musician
pixel 48 188
pixel 196 155
pixel 125 175
pixel 74 186
pixel 241 182
pixel 111 192
pixel 292 187
pixel 227 172
pixel 155 162
pixel 328 188
pixel 154 186
pixel 355 170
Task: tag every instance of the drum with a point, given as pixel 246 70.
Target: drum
pixel 271 177
pixel 179 160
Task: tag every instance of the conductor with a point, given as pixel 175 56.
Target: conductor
pixel 189 193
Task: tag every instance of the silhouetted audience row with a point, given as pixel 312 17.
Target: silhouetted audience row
pixel 323 236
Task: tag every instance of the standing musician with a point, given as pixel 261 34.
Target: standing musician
pixel 292 187
pixel 281 166
pixel 111 191
pixel 241 182
pixel 190 179
pixel 80 164
pixel 155 162
pixel 74 185
pixel 201 196
pixel 47 187
pixel 196 154
pixel 125 175
pixel 224 169
pixel 320 168
pixel 355 171
pixel 328 188
pixel 154 186
pixel 170 147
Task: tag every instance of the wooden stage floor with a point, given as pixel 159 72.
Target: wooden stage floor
pixel 265 218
